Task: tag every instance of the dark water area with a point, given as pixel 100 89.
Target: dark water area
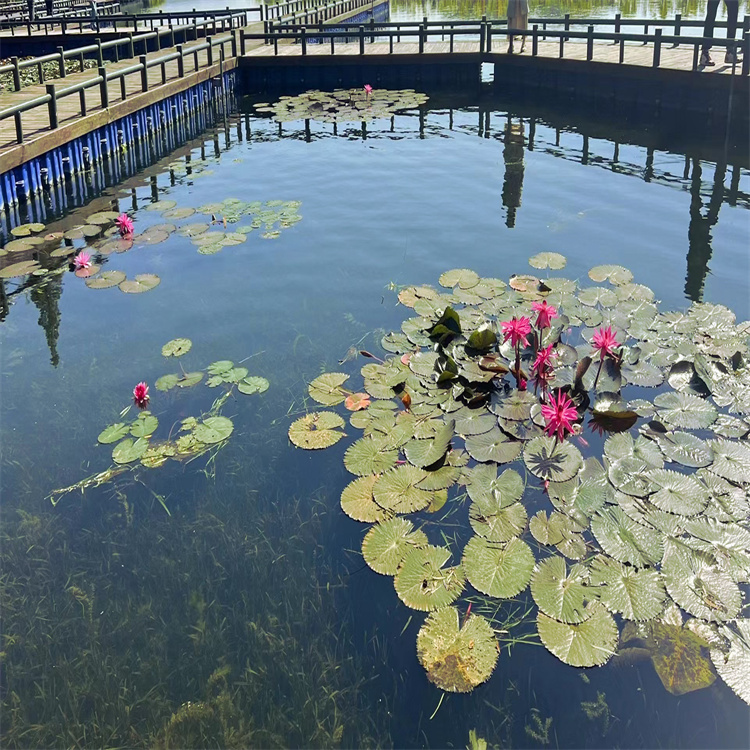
pixel 247 617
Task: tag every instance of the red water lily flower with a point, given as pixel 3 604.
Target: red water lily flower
pixel 516 329
pixel 605 341
pixel 544 359
pixel 124 225
pixel 545 313
pixel 140 395
pixel 368 89
pixel 559 415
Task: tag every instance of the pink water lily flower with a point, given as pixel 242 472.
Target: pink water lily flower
pixel 82 260
pixel 140 395
pixel 368 89
pixel 124 225
pixel 544 357
pixel 605 341
pixel 545 313
pixel 559 415
pixel 516 329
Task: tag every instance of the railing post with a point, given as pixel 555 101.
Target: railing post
pixel 234 42
pixel 746 52
pixel 567 24
pixel 535 40
pixel 180 62
pixel 210 50
pixel 677 26
pixel 242 41
pixel 421 38
pixel 143 60
pixel 103 88
pixel 16 75
pixel 590 44
pixel 362 40
pixel 19 127
pixel 657 48
pixel 52 106
pixel 488 36
pixel 618 24
pixel 303 39
pixel 61 64
pixel 99 53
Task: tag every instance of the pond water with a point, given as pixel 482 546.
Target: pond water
pixel 247 617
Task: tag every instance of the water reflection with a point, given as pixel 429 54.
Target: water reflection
pixel 513 178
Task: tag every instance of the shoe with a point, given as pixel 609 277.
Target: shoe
pixel 731 58
pixel 706 60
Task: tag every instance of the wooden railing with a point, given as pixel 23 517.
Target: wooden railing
pixel 19 16
pixel 101 82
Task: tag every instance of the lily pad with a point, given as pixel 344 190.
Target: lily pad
pixel 555 261
pixel 552 460
pixel 370 455
pixel 106 279
pixel 176 347
pixel 113 433
pixel 684 410
pixel 636 594
pixel 144 426
pixel 733 665
pixel 253 384
pixel 616 275
pixel 167 382
pixel 213 430
pixel 326 389
pixel 143 282
pixel 422 581
pixel 397 490
pixel 497 569
pixel 317 430
pixel 559 593
pixel 590 643
pixel 357 502
pixel 456 657
pixel 129 450
pixel 22 268
pixel 386 544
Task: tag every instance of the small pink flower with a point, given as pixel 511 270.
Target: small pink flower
pixel 605 341
pixel 516 330
pixel 543 362
pixel 368 89
pixel 82 260
pixel 559 415
pixel 140 395
pixel 545 313
pixel 124 225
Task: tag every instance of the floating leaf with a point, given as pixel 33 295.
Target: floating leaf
pixel 213 430
pixel 677 493
pixel 497 569
pixel 495 523
pixel 461 277
pixel 560 594
pixel 590 643
pixel 129 450
pixel 733 665
pixel 357 502
pixel 316 430
pixel 144 426
pixel 493 445
pixel 423 583
pixel 106 279
pixel 176 347
pixel 397 490
pixel 143 282
pixel 685 410
pixel 19 269
pixel 189 379
pixel 167 382
pixel 326 388
pixel 555 261
pixel 370 455
pixel 549 459
pixel 617 275
pixel 636 594
pixel 456 659
pixel 424 453
pixel 253 384
pixel 357 401
pixel 686 449
pixel 731 460
pixel 113 433
pixel 386 544
pixel 626 540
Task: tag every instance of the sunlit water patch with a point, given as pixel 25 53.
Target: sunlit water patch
pixel 317 239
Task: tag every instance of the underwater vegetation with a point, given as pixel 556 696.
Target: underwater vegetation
pixel 637 533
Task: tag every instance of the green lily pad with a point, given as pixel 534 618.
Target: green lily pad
pixel 497 569
pixel 684 410
pixel 422 582
pixel 733 665
pixel 143 282
pixel 144 426
pixel 213 430
pixel 129 450
pixel 590 643
pixel 552 460
pixel 326 389
pixel 105 280
pixel 167 382
pixel 189 379
pixel 493 445
pixel 22 268
pixel 616 275
pixel 555 261
pixel 386 544
pixel 677 493
pixel 253 384
pixel 731 460
pixel 317 430
pixel 397 490
pixel 424 453
pixel 559 593
pixel 626 540
pixel 636 594
pixel 370 455
pixel 358 503
pixel 176 347
pixel 456 657
pixel 113 433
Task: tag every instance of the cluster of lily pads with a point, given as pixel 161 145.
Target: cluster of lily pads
pixel 343 105
pixel 103 238
pixel 196 435
pixel 644 541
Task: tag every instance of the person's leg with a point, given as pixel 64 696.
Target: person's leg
pixel 733 7
pixel 708 26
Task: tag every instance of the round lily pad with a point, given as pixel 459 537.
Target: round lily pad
pixel 422 581
pixel 456 657
pixel 143 282
pixel 357 502
pixel 316 430
pixel 616 275
pixel 167 382
pixel 113 433
pixel 590 643
pixel 552 460
pixel 144 426
pixel 129 450
pixel 497 569
pixel 559 593
pixel 326 389
pixel 636 594
pixel 178 213
pixel 213 430
pixel 189 379
pixel 176 347
pixel 150 236
pixel 733 665
pixel 370 455
pixel 555 261
pixel 160 205
pixel 105 280
pixel 19 269
pixel 386 543
pixel 397 490
pixel 252 384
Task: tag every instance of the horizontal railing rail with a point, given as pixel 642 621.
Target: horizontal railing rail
pixel 101 81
